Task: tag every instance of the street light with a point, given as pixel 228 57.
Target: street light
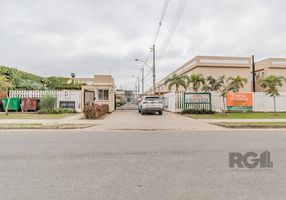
pixel 144 62
pixel 142 69
pixel 138 83
pixel 153 69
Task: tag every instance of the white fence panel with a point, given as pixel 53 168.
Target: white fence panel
pixel 61 95
pixel 217 103
pixel 174 102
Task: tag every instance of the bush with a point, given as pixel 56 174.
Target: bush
pixel 56 111
pixel 47 102
pixel 196 111
pixel 95 111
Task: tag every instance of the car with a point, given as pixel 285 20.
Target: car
pixel 151 104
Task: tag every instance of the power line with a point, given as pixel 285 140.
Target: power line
pixel 163 12
pixel 162 16
pixel 172 28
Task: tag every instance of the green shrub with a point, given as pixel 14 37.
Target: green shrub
pixel 197 111
pixel 56 111
pixel 47 102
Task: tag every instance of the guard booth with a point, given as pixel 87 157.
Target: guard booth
pixel 100 91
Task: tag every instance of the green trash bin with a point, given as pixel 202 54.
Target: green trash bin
pixel 13 105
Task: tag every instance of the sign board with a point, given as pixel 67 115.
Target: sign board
pixel 67 104
pixel 240 101
pixel 197 98
pixel 197 101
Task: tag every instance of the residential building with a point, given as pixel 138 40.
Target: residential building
pixel 214 66
pixel 270 66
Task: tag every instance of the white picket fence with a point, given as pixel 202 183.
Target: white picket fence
pixel 174 102
pixel 61 95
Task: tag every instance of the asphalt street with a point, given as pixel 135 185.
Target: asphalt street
pixel 72 165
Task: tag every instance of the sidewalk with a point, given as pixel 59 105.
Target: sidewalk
pixel 74 119
pixel 241 120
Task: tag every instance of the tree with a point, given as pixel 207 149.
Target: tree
pixel 271 85
pixel 196 80
pixel 237 82
pixel 219 85
pixel 177 81
pixel 5 86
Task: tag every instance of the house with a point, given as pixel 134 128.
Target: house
pixel 215 66
pixel 270 66
pixel 100 89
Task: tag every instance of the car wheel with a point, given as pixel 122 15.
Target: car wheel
pixel 160 112
pixel 142 113
pixel 139 111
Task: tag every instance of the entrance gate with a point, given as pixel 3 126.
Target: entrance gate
pixel 127 101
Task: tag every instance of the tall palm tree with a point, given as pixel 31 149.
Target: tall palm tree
pixel 196 80
pixel 176 81
pixel 271 85
pixel 237 82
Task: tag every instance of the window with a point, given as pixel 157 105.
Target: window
pixel 103 94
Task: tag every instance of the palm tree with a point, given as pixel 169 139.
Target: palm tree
pixel 219 85
pixel 237 82
pixel 271 85
pixel 196 80
pixel 177 81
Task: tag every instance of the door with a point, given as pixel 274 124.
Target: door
pixel 88 97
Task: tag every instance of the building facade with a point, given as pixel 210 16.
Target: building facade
pixel 100 90
pixel 270 66
pixel 214 66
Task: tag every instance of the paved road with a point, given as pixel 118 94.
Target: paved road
pixel 121 165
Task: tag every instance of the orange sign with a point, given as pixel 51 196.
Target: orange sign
pixel 240 101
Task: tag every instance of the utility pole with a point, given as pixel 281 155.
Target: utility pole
pixel 154 71
pixel 138 79
pixel 253 74
pixel 143 79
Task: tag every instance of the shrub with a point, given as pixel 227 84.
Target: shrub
pixel 47 102
pixel 95 111
pixel 197 111
pixel 56 111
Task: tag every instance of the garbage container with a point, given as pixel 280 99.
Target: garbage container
pixel 13 105
pixel 30 104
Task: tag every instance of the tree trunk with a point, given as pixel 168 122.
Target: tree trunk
pixel 8 102
pixel 223 102
pixel 274 101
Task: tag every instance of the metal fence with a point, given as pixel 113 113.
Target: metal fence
pixel 61 95
pixel 174 102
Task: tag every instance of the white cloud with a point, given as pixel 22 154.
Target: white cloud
pixel 90 36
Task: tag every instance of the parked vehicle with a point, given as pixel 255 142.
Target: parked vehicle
pixel 151 104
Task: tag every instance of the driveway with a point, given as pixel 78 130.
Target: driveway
pixel 132 120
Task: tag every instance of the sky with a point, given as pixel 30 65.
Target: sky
pixel 87 37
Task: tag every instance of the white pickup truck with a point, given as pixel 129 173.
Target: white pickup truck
pixel 151 104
